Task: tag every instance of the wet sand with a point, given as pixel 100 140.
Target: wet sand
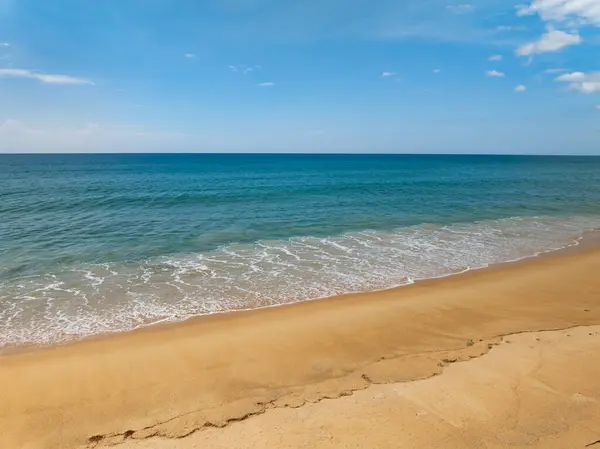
pixel 262 378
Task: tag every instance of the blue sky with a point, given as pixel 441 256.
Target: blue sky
pixel 479 76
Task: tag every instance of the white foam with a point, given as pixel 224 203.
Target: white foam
pixel 113 297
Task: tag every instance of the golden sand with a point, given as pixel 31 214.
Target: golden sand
pixel 534 390
pixel 200 383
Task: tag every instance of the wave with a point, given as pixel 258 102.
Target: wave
pixel 80 301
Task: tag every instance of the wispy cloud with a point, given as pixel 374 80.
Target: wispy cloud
pixel 4 44
pixel 388 74
pixel 16 136
pixel 598 107
pixel 586 83
pixel 45 78
pixel 511 28
pixel 267 84
pixel 494 73
pixel 553 40
pixel 464 8
pixel 554 71
pixel 495 58
pixel 430 20
pixel 243 69
pixel 189 55
pixel 521 88
pixel 436 71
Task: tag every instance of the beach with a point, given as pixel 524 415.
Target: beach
pixel 251 224
pixel 497 357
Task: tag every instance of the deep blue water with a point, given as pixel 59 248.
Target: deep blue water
pixel 95 243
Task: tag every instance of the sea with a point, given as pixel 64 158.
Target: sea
pixel 92 244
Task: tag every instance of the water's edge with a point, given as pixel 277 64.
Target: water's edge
pixel 588 240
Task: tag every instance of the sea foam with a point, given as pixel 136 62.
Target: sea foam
pixel 80 301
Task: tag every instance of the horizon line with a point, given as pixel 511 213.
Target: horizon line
pixel 238 153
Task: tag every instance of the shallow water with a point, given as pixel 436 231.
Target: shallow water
pixel 92 244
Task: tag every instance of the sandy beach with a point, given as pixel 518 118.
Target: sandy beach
pixel 525 393
pixel 500 357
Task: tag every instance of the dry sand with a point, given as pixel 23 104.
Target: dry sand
pixel 200 383
pixel 540 391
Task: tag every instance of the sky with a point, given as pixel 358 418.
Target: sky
pixel 401 76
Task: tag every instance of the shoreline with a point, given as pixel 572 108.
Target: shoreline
pixel 589 240
pixel 174 379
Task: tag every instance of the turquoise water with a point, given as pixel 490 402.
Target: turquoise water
pixel 102 243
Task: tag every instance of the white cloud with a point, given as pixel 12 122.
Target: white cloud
pixel 494 73
pixel 570 14
pixel 585 11
pixel 267 84
pixel 4 44
pixel 520 88
pixel 553 40
pixel 44 78
pixel 598 107
pixel 388 74
pixel 574 76
pixel 436 71
pixel 495 58
pixel 189 55
pixel 586 83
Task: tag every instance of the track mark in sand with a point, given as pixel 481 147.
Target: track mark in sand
pixel 384 370
pixel 399 369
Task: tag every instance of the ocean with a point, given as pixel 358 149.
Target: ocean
pixel 91 244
